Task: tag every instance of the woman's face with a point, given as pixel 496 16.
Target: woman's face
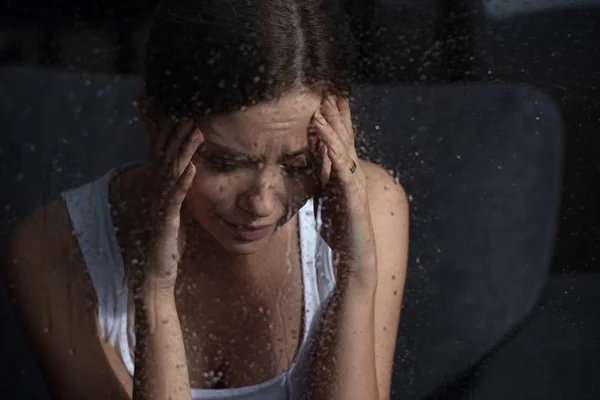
pixel 254 171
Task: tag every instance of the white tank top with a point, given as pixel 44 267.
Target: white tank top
pixel 89 210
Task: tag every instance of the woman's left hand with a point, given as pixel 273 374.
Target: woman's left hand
pixel 345 213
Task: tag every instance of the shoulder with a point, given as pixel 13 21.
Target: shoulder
pixel 41 259
pixel 54 300
pixel 389 211
pixel 42 239
pixel 387 197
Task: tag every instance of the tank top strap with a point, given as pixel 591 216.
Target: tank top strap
pixel 89 210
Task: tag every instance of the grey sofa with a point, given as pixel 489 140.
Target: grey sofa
pixel 481 164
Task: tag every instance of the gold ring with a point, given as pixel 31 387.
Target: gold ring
pixel 353 167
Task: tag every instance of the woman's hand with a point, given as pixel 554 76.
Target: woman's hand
pixel 343 196
pixel 170 179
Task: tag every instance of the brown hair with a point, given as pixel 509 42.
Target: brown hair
pixel 215 56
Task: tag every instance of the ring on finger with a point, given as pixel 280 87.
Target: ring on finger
pixel 353 167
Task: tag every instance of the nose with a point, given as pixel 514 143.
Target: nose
pixel 262 197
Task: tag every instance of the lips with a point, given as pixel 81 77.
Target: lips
pixel 249 232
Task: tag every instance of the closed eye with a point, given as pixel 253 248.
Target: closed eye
pixel 298 170
pixel 221 165
pixel 226 164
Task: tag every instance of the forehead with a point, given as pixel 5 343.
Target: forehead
pixel 280 122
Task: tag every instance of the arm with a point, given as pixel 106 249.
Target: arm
pixel 160 363
pixel 356 349
pixel 53 298
pixel 161 370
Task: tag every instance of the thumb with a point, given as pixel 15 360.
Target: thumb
pixel 181 239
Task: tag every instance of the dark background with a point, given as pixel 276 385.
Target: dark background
pixel 402 41
pixel 414 43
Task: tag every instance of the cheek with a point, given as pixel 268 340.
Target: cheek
pixel 210 192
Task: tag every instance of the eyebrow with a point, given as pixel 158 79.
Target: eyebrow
pixel 297 153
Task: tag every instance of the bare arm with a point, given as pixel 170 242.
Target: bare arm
pixel 345 363
pixel 53 298
pixel 355 354
pixel 160 363
pixel 367 227
pixel 161 371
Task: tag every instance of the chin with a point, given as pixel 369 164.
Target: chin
pixel 242 247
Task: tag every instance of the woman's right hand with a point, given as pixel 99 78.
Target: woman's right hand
pixel 170 180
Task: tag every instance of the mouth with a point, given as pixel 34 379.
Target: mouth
pixel 249 232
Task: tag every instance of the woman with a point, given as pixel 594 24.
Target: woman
pixel 202 274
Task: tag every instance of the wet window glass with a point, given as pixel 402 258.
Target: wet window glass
pixel 299 199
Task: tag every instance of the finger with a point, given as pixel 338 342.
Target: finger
pixel 177 196
pixel 168 164
pixel 325 165
pixel 330 111
pixel 183 128
pixel 344 107
pixel 336 150
pixel 163 127
pixel 187 151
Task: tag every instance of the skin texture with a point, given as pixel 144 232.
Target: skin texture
pixel 366 215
